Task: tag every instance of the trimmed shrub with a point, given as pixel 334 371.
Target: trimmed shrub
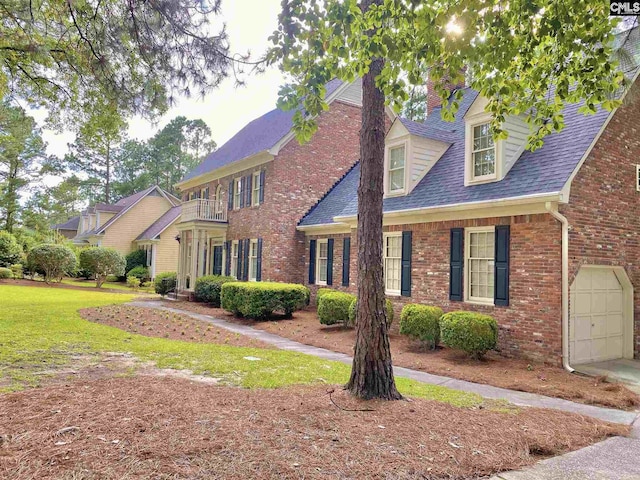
pixel 5 273
pixel 470 332
pixel 333 307
pixel 10 250
pixel 165 283
pixel 54 261
pixel 133 283
pixel 421 322
pixel 112 278
pixel 16 271
pixel 208 288
pixel 141 273
pixel 102 262
pixel 354 307
pixel 323 291
pixel 261 299
pixel 137 258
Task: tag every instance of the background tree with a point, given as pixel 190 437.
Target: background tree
pixel 415 108
pixel 70 55
pixel 527 58
pixel 94 151
pixel 178 148
pixel 21 154
pixel 131 172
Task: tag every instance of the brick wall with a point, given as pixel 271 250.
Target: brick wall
pixel 531 325
pixel 604 205
pixel 294 182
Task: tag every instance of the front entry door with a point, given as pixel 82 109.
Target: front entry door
pixel 217 260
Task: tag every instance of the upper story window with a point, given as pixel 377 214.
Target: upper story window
pixel 255 187
pixel 483 152
pixel 479 259
pixel 238 191
pixel 397 163
pixel 322 262
pixel 392 262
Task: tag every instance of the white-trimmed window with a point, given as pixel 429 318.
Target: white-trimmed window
pixel 392 255
pixel 483 152
pixel 237 193
pixel 234 259
pixel 253 260
pixel 396 174
pixel 479 259
pixel 322 259
pixel 255 194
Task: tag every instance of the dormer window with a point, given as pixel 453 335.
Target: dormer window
pixel 483 152
pixel 397 162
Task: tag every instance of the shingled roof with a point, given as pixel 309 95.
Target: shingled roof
pixel 71 224
pixel 544 171
pixel 161 224
pixel 260 134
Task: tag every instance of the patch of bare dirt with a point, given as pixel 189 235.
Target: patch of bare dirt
pixel 164 428
pixel 163 324
pixel 496 370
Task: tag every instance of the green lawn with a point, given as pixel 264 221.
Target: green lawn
pixel 40 328
pixel 105 285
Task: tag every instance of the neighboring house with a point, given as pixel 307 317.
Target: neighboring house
pixel 145 220
pixel 68 229
pixel 243 202
pixel 546 242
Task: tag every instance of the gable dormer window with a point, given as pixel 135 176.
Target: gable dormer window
pixel 397 164
pixel 483 152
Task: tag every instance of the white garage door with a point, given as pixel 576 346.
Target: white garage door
pixel 596 318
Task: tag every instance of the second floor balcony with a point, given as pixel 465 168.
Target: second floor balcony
pixel 201 209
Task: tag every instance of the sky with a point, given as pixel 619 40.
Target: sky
pixel 228 108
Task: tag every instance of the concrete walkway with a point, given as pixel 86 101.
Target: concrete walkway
pixel 487 391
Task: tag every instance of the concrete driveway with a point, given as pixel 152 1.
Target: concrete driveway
pixel 623 370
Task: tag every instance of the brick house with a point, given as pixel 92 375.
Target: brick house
pixel 547 242
pixel 143 221
pixel 242 204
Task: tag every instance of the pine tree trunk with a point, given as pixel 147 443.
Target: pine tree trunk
pixel 107 192
pixel 372 371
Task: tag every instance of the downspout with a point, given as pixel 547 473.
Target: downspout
pixel 565 284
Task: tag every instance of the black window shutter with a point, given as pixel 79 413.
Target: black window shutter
pixel 405 279
pixel 230 201
pixel 330 261
pixel 501 266
pixel 249 183
pixel 239 261
pixel 456 277
pixel 259 272
pixel 227 246
pixel 245 261
pixel 346 260
pixel 261 199
pixel 312 262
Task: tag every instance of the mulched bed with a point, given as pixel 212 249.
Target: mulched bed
pixel 162 324
pixel 161 428
pixel 514 374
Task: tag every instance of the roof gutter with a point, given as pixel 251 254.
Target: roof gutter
pixel 553 210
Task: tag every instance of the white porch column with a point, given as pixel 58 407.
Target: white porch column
pixel 194 258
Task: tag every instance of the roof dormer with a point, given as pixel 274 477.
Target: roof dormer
pixel 486 159
pixel 409 155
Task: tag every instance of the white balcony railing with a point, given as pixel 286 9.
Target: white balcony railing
pixel 201 209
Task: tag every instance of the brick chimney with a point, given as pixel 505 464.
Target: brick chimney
pixel 433 99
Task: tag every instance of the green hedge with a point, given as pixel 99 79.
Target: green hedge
pixel 165 283
pixel 471 332
pixel 208 288
pixel 333 307
pixel 354 307
pixel 324 291
pixel 421 322
pixel 140 272
pixel 6 272
pixel 262 299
